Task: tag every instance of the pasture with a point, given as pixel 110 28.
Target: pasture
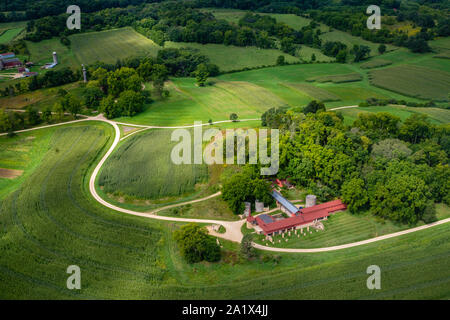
pixel 416 81
pixel 111 45
pixel 158 178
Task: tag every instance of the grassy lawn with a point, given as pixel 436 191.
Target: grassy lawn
pixel 52 222
pixel 111 45
pixel 41 53
pixel 342 228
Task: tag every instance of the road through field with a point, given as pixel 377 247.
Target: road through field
pixel 233 229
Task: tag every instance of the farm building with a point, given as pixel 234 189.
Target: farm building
pixel 284 205
pixel 9 61
pixel 305 217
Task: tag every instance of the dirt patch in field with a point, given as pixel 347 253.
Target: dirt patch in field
pixel 10 173
pixel 128 129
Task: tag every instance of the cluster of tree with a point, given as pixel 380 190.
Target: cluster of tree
pixel 245 186
pixel 396 170
pixel 196 245
pixel 49 79
pixel 340 51
pixel 34 9
pixel 119 93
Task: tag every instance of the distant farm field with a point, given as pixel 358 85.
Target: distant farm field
pixel 229 58
pixel 415 81
pixel 9 35
pixel 111 45
pixel 142 168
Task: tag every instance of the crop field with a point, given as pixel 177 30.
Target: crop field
pixel 51 222
pixel 436 115
pixel 229 58
pixel 415 81
pixel 158 177
pixel 111 45
pixel 314 92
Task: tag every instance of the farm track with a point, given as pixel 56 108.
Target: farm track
pixel 233 229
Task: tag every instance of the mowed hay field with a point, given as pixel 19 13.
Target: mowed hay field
pixel 111 45
pixel 188 103
pixel 52 222
pixel 142 168
pixel 229 58
pixel 415 81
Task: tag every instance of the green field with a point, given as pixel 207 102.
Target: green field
pixel 52 222
pixel 9 35
pixel 436 115
pixel 229 58
pixel 250 93
pixel 157 176
pixel 415 81
pixel 111 45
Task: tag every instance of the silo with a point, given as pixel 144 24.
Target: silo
pixel 55 58
pixel 310 200
pixel 84 73
pixel 259 206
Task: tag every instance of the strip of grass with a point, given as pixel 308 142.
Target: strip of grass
pixel 314 92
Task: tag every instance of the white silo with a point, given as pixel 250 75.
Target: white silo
pixel 310 200
pixel 55 58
